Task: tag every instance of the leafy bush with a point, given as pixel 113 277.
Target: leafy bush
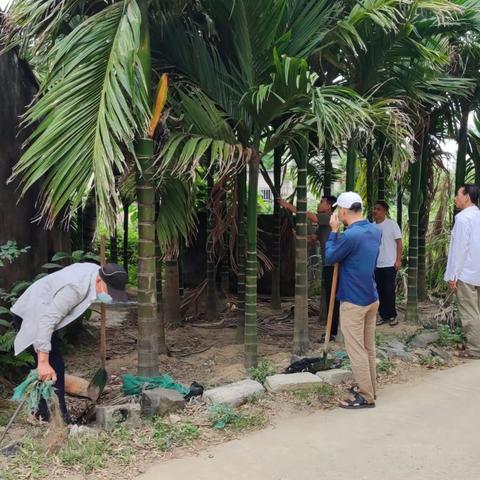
pixel 386 366
pixel 262 371
pixel 450 337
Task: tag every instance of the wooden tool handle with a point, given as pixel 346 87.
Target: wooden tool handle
pixel 331 307
pixel 103 313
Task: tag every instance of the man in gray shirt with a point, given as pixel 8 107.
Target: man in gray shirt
pixel 55 301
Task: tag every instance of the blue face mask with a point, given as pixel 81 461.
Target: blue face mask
pixel 103 297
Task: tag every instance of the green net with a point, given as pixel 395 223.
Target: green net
pixel 34 390
pixel 133 385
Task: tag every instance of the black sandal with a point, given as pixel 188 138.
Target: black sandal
pixel 358 402
pixel 393 322
pixel 354 391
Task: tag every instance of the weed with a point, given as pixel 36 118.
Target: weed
pixel 430 362
pixel 166 436
pixel 386 366
pixel 379 338
pixel 223 416
pixel 262 371
pixel 321 392
pixel 88 452
pixel 450 337
pixel 33 456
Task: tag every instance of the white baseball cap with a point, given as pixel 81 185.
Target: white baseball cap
pixel 347 199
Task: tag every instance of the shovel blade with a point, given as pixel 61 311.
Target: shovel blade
pixel 96 386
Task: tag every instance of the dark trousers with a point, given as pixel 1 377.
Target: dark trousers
pixel 328 280
pixel 385 279
pixel 55 359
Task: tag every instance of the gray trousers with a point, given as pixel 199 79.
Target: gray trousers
pixel 468 297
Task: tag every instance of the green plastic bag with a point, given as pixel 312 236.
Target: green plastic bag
pixel 133 385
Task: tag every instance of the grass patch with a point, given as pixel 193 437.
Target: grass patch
pixel 449 337
pixel 264 369
pixel 386 366
pixel 379 338
pixel 34 457
pixel 6 411
pixel 88 452
pixel 309 396
pixel 223 416
pixel 430 362
pixel 167 436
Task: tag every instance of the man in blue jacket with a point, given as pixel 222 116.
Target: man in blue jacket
pixel 356 251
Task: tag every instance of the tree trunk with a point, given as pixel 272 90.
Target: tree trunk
pixel 114 245
pixel 369 179
pixel 300 335
pixel 251 264
pixel 399 204
pixel 241 197
pixel 423 225
pixel 351 167
pixel 411 313
pixel 211 270
pixel 162 344
pixel 461 167
pixel 181 283
pixel 474 153
pixel 89 221
pixel 171 298
pixel 328 169
pixel 125 236
pixel 276 301
pixel 147 294
pixel 381 180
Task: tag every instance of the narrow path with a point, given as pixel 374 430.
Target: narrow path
pixel 430 430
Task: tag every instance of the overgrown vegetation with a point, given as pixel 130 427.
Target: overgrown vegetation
pixel 450 337
pixel 318 393
pixel 167 435
pixel 224 416
pixel 386 366
pixel 264 369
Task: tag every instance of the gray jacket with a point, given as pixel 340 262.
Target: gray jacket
pixel 53 302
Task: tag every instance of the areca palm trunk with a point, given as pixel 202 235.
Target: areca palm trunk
pixel 461 166
pixel 370 179
pixel 328 169
pixel 399 204
pixel 147 294
pixel 411 313
pixel 125 235
pixel 162 344
pixel 211 270
pixel 114 245
pixel 351 167
pixel 171 298
pixel 300 335
pixel 251 346
pixel 423 226
pixel 241 197
pixel 276 302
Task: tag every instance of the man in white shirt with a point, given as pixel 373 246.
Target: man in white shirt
pixel 463 266
pixel 388 263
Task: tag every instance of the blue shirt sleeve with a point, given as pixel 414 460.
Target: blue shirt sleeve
pixel 338 247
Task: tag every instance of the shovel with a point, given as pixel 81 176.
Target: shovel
pixel 331 306
pixel 99 380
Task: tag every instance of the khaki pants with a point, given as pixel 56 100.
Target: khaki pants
pixel 358 328
pixel 468 297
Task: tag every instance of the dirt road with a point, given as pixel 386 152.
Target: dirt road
pixel 430 430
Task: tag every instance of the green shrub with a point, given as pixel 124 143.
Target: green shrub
pixel 386 366
pixel 223 416
pixel 450 337
pixel 166 435
pixel 264 369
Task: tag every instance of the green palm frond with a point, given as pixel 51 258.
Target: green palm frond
pixel 90 109
pixel 176 219
pixel 204 131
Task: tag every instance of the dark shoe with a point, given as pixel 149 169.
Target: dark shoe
pixel 393 321
pixel 381 321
